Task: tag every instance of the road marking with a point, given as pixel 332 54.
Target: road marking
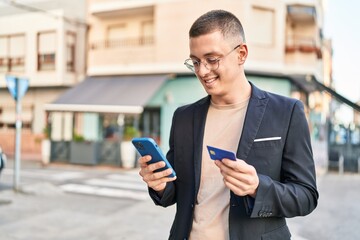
pixel 104 192
pixel 125 177
pixel 47 174
pixel 67 176
pixel 116 184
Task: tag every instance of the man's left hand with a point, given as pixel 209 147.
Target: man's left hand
pixel 239 177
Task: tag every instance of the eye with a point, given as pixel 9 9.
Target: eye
pixel 195 63
pixel 212 60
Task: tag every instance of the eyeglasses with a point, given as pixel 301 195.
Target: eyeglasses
pixel 211 63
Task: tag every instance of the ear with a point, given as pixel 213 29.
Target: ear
pixel 242 53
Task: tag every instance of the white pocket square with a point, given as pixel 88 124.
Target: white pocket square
pixel 267 139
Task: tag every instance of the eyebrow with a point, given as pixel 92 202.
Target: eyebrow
pixel 206 55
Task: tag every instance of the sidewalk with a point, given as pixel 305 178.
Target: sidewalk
pixel 338 213
pixel 48 213
pixel 57 216
pixel 44 211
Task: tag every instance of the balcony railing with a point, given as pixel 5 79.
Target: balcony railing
pixel 121 43
pixel 301 13
pixel 303 44
pixel 12 64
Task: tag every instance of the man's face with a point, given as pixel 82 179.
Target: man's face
pixel 218 83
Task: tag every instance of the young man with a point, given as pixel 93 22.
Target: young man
pixel 273 176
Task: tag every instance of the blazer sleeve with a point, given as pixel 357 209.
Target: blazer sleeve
pixel 296 193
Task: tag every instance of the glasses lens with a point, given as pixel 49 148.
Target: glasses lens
pixel 212 63
pixel 189 64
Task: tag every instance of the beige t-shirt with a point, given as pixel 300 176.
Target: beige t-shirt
pixel 223 129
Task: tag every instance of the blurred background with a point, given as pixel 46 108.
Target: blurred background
pixel 93 74
pixel 99 72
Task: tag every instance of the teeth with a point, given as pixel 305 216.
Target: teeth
pixel 210 81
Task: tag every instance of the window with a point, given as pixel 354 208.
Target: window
pixel 116 36
pixel 116 32
pixel 46 51
pixel 147 32
pixel 12 53
pixel 150 123
pixel 4 65
pixel 264 32
pixel 70 51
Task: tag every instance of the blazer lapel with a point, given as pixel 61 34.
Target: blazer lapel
pixel 253 118
pixel 200 113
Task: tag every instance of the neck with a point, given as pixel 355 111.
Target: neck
pixel 240 91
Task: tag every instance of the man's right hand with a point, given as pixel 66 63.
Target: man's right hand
pixel 154 180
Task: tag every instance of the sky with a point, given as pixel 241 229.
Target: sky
pixel 342 26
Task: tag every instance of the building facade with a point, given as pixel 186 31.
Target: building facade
pixel 42 41
pixel 135 76
pixel 285 42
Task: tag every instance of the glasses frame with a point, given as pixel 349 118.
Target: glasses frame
pixel 189 63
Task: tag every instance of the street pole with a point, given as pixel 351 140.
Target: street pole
pixel 17 88
pixel 17 137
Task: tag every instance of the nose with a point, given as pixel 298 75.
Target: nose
pixel 203 70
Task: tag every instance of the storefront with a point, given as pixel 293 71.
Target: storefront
pixel 89 123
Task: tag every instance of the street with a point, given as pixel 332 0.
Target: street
pixel 76 202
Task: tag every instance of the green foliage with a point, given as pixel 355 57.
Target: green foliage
pixel 78 138
pixel 130 132
pixel 46 132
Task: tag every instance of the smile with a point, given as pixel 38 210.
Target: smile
pixel 208 82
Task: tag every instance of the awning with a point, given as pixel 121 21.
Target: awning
pixel 110 94
pixel 309 84
pixel 335 94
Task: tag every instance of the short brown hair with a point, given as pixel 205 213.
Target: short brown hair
pixel 218 20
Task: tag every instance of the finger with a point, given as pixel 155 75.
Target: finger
pixel 250 177
pixel 160 184
pixel 241 181
pixel 218 163
pixel 148 169
pixel 155 166
pixel 161 181
pixel 226 163
pixel 143 160
pixel 157 175
pixel 240 190
pixel 238 165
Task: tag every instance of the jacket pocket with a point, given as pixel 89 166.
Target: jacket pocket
pixel 281 233
pixel 266 144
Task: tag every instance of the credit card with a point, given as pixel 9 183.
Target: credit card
pixel 219 154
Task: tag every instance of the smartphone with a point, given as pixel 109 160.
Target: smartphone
pixel 219 154
pixel 148 146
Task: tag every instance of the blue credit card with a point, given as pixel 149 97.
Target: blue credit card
pixel 219 154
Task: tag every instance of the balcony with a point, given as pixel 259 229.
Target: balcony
pixel 301 13
pixel 303 45
pixel 122 52
pixel 111 8
pixel 122 43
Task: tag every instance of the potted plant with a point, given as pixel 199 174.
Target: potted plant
pixel 128 152
pixel 45 146
pixel 83 151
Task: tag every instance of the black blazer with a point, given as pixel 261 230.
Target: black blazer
pixel 284 165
